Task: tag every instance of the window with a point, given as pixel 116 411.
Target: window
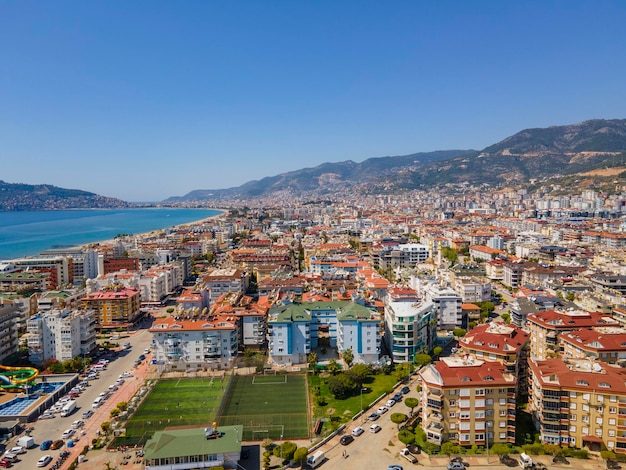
pixel 612 421
pixel 479 392
pixel 572 406
pixel 489 401
pixel 479 436
pixel 452 425
pixel 572 417
pixel 452 402
pixel 502 401
pixel 502 435
pixel 502 412
pixel 452 414
pixel 453 392
pixel 572 428
pixel 612 410
pixel 502 424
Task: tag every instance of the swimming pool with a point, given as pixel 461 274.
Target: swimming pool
pixel 19 404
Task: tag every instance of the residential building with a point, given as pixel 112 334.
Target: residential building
pixel 186 449
pixel 472 288
pixel 545 328
pixel 296 328
pixel 191 343
pixel 448 304
pixel 115 306
pixel 410 325
pixel 601 344
pixel 9 342
pixel 60 334
pixel 468 402
pixel 579 403
pixel 224 281
pixel 498 342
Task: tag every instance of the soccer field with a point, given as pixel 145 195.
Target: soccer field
pixel 176 402
pixel 267 406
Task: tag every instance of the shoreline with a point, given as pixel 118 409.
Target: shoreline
pixel 111 241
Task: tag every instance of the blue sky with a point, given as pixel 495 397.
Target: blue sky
pixel 143 100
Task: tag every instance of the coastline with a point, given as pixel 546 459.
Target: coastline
pixel 30 234
pixel 150 233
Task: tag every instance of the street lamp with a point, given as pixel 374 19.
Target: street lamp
pixel 361 393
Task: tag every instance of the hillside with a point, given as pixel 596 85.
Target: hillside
pixel 27 197
pixel 522 159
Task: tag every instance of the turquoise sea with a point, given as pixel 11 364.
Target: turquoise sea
pixel 30 233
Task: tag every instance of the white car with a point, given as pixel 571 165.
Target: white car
pixel 45 460
pixel 87 414
pixel 382 410
pixel 17 450
pixel 375 428
pixel 357 431
pixel 67 433
pixel 79 423
pixel 390 403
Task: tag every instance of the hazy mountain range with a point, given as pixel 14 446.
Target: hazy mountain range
pixel 589 153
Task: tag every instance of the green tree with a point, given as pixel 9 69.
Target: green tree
pixel 348 357
pixel 114 413
pixel 406 437
pixel 499 449
pixel 285 450
pixel 449 253
pixel 359 373
pixel 341 386
pixel 312 359
pixel 333 367
pixel 459 332
pixel 450 448
pixel 398 418
pixel 506 317
pixel 106 426
pixel 420 360
pixel 570 296
pixel 411 403
pixel 437 350
pixel 300 454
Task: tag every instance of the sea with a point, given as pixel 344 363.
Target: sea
pixel 30 233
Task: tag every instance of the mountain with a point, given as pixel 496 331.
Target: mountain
pixel 595 149
pixel 28 197
pixel 324 178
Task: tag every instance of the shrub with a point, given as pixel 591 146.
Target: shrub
pixel 406 437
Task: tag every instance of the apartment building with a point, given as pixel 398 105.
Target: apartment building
pixel 9 318
pixel 472 288
pixel 59 268
pixel 224 281
pixel 498 342
pixel 579 403
pixel 295 329
pixel 404 256
pixel 61 334
pixel 601 344
pixel 545 328
pixel 468 401
pixel 184 343
pixel 115 306
pixel 410 324
pixel 448 304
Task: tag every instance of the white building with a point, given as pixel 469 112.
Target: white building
pixel 448 304
pixel 195 343
pixel 61 335
pixel 408 328
pixel 225 281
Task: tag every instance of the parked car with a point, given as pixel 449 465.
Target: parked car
pixel 382 410
pixel 560 459
pixel 357 431
pixel 17 450
pixel 4 463
pixel 394 467
pixel 79 423
pixel 405 390
pixel 57 444
pixel 390 403
pixel 375 428
pixel 455 466
pixel 397 397
pixel 45 445
pixel 373 417
pixel 613 465
pixel 45 460
pixel 87 414
pixel 68 433
pixel 345 440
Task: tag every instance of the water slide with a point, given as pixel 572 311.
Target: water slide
pixel 13 377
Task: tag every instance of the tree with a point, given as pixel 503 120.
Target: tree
pixel 348 357
pixel 398 418
pixel 406 437
pixel 106 426
pixel 123 405
pixel 449 448
pixel 499 449
pixel 359 373
pixel 333 367
pixel 420 360
pixel 506 317
pixel 437 350
pixel 411 403
pixel 312 359
pixel 341 386
pixel 300 455
pixel 459 332
pixel 114 413
pixel 570 296
pixel 285 450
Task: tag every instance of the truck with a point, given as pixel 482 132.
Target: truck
pixel 407 455
pixel 316 459
pixel 26 442
pixel 68 408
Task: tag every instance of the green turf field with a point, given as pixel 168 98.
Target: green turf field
pixel 267 406
pixel 175 402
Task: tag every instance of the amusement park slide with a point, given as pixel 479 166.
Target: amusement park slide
pixel 12 377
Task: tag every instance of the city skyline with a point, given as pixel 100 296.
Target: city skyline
pixel 178 97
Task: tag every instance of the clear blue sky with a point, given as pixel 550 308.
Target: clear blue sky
pixel 143 100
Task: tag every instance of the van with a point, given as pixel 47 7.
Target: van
pixel 316 459
pixel 26 442
pixel 525 461
pixel 97 402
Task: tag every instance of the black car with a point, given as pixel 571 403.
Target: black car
pixel 414 449
pixel 560 459
pixel 613 465
pixel 345 440
pixel 405 390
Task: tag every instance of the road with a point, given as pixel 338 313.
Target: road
pixel 53 428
